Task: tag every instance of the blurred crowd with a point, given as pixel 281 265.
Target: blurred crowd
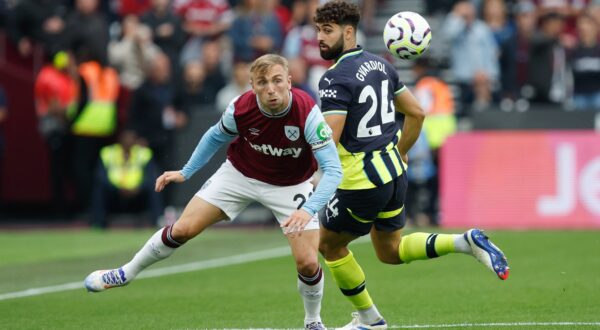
pixel 498 55
pixel 121 77
pixel 519 54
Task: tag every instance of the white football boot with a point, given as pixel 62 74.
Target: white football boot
pixel 101 280
pixel 487 253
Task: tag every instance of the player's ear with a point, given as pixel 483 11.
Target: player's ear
pixel 349 32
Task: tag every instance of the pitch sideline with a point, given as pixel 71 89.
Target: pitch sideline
pixel 494 325
pixel 183 268
pixel 177 269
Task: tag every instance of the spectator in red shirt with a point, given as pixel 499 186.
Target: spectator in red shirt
pixel 202 20
pixel 131 7
pixel 55 93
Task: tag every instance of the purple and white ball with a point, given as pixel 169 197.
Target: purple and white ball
pixel 407 35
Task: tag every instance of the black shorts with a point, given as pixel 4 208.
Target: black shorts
pixel 356 211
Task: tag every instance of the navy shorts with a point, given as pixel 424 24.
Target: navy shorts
pixel 357 211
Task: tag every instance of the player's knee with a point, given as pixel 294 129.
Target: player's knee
pixel 332 251
pixel 307 266
pixel 182 232
pixel 325 249
pixel 388 256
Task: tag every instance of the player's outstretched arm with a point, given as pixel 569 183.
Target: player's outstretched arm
pixel 329 162
pixel 407 104
pixel 166 178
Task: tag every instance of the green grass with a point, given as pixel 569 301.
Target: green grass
pixel 554 278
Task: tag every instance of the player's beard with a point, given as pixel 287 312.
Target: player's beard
pixel 334 51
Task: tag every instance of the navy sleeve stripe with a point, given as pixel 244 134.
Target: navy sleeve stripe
pixel 225 130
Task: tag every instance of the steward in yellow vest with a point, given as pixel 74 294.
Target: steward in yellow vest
pixel 98 116
pixel 93 123
pixel 125 179
pixel 437 101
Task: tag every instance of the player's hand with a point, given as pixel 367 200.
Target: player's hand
pixel 294 225
pixel 166 178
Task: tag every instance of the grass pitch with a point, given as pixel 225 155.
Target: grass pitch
pixel 554 278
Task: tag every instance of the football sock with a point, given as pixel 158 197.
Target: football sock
pixel 369 316
pixel 420 246
pixel 351 280
pixel 311 290
pixel 158 247
pixel 461 244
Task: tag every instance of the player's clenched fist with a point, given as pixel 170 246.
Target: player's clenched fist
pixel 166 178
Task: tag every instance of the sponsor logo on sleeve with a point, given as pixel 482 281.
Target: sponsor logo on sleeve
pixel 324 134
pixel 323 131
pixel 328 93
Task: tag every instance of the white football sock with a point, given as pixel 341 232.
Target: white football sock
pixel 311 295
pixel 154 250
pixel 370 315
pixel 461 245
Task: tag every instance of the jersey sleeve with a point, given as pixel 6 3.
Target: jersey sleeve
pixel 227 123
pixel 329 163
pixel 395 80
pixel 316 130
pixel 335 97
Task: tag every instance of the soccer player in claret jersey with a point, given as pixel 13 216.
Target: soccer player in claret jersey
pixel 277 133
pixel 360 95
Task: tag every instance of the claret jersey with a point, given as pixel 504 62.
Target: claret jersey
pixel 276 149
pixel 362 86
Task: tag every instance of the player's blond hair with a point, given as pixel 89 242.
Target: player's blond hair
pixel 262 64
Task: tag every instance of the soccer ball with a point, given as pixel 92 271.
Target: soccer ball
pixel 407 35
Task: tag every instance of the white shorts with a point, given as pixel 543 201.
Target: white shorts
pixel 232 192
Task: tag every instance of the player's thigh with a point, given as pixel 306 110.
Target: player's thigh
pixel 229 190
pixel 393 215
pixel 197 216
pixel 304 250
pixel 386 245
pixel 284 200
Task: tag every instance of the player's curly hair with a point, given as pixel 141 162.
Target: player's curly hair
pixel 339 12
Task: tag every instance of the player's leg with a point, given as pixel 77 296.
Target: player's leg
pixel 197 216
pixel 339 228
pixel 391 248
pixel 310 275
pixel 282 201
pixel 223 196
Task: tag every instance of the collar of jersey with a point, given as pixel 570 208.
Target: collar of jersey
pixel 277 115
pixel 346 54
